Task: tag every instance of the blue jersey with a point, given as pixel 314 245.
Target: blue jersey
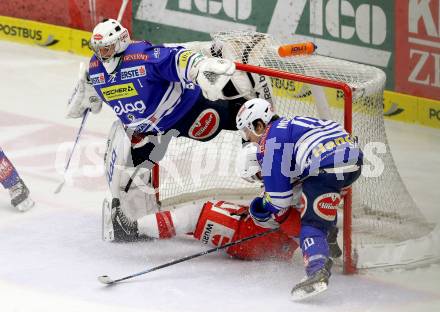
pixel 150 90
pixel 291 149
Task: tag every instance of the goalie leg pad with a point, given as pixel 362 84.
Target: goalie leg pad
pixel 116 157
pixel 140 198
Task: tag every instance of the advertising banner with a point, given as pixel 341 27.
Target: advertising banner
pixel 45 35
pixel 417 48
pixel 78 14
pixel 357 30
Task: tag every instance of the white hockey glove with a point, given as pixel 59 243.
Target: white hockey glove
pixel 211 74
pixel 83 97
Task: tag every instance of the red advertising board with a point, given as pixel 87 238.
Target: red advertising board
pixel 79 14
pixel 417 48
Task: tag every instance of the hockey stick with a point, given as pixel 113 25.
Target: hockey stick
pixel 81 127
pixel 105 279
pixel 122 10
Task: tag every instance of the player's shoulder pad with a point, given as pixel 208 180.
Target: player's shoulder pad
pixel 149 53
pixel 93 63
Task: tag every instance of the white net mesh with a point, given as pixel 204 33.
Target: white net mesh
pixel 383 210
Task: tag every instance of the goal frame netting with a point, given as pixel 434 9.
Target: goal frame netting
pixel 376 232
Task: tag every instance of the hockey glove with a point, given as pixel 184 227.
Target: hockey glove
pixel 267 215
pixel 261 215
pixel 211 74
pixel 83 97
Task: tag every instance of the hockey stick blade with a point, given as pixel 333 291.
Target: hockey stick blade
pixel 105 279
pixel 59 187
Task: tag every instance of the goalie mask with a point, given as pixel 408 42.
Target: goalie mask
pixel 251 111
pixel 109 40
pixel 248 167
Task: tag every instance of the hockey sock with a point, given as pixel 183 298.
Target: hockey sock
pixel 314 247
pixel 167 224
pixel 8 175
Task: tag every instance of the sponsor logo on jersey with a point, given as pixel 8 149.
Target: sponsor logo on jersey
pixel 135 57
pixel 93 64
pixel 97 79
pixel 184 57
pixel 325 205
pixel 216 234
pixel 207 233
pixel 120 91
pixel 133 72
pixel 156 52
pixel 332 144
pixel 205 125
pixel 138 106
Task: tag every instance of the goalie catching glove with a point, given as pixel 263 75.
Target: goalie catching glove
pixel 83 97
pixel 211 74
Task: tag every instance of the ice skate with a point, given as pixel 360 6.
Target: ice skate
pixel 20 196
pixel 314 284
pixel 116 225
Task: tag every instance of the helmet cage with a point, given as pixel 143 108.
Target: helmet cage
pixel 109 35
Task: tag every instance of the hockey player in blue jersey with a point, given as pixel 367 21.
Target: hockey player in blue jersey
pixel 302 155
pixel 156 92
pixel 11 181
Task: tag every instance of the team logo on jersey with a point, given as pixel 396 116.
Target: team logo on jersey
pixel 120 91
pixel 133 72
pixel 138 106
pixel 97 79
pixel 325 206
pixel 205 125
pixel 112 77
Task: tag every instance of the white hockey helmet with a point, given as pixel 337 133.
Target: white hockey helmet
pixel 109 39
pixel 248 167
pixel 251 111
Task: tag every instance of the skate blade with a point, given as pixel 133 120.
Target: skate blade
pixel 301 294
pixel 25 205
pixel 108 233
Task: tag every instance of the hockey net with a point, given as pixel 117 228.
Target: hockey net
pixel 382 224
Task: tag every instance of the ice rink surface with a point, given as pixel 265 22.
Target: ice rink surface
pixel 50 256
